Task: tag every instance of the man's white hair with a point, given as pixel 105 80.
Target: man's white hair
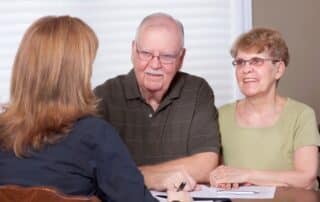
pixel 162 15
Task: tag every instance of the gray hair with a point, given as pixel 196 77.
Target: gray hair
pixel 162 15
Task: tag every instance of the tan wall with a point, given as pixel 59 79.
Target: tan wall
pixel 299 23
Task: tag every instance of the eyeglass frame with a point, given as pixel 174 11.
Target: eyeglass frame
pixel 151 55
pixel 254 63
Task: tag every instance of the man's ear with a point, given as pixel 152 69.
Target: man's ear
pixel 133 45
pixel 281 68
pixel 133 48
pixel 181 57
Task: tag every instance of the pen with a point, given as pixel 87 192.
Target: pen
pixel 181 186
pixel 236 192
pixel 203 198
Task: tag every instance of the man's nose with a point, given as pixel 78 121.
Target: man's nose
pixel 155 61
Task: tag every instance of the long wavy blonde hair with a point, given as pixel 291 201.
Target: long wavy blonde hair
pixel 50 84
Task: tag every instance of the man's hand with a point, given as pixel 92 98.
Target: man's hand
pixel 179 196
pixel 168 180
pixel 172 180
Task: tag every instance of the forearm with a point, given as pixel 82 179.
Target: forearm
pixel 300 179
pixel 303 175
pixel 198 166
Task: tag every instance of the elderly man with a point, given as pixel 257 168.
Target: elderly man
pixel 166 118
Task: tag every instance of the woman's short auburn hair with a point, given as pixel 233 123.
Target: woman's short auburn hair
pixel 260 40
pixel 50 84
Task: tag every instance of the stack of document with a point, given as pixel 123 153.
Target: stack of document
pixel 244 192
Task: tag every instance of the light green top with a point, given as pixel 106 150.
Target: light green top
pixel 269 148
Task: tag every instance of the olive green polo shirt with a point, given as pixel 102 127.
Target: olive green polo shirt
pixel 185 122
pixel 272 147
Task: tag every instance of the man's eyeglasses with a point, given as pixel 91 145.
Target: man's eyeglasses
pixel 164 58
pixel 255 61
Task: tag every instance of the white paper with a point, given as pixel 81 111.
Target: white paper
pixel 253 192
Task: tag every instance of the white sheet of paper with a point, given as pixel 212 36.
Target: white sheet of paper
pixel 247 192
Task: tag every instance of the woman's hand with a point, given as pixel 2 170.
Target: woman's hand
pixel 227 177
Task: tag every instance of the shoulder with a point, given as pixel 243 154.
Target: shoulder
pixel 92 121
pixel 299 117
pixel 192 79
pixel 110 84
pixel 196 84
pixel 298 108
pixel 227 108
pixel 94 129
pixel 225 114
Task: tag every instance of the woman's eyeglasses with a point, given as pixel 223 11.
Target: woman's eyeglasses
pixel 255 61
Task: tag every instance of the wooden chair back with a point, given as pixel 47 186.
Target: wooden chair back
pixel 13 193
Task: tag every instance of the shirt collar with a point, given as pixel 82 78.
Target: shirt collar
pixel 131 86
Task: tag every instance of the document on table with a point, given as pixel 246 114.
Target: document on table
pixel 245 192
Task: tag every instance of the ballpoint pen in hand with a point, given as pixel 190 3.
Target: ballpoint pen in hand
pixel 181 186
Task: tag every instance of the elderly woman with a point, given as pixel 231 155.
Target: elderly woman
pixel 49 133
pixel 267 139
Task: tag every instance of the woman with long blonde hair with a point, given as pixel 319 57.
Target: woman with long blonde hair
pixel 49 134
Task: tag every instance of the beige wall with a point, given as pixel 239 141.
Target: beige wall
pixel 299 23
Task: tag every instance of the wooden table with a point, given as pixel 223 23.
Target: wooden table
pixel 284 194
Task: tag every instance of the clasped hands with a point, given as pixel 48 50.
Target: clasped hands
pixel 226 177
pixel 222 177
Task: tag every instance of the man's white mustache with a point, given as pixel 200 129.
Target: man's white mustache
pixel 154 72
